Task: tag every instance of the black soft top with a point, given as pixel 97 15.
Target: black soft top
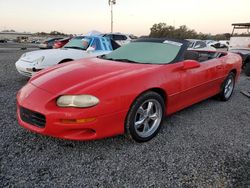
pixel 161 40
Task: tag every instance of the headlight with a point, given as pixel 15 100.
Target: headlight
pixel 39 60
pixel 77 101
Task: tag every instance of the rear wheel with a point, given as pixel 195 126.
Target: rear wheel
pixel 145 117
pixel 227 87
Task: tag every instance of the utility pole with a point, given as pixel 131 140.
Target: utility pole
pixel 111 3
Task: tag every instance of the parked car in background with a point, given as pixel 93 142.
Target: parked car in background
pixel 129 90
pixel 241 45
pixel 217 44
pixel 224 43
pixel 199 45
pixel 76 48
pixel 3 41
pixel 60 43
pixel 48 43
pixel 120 38
pixel 36 41
pixel 213 43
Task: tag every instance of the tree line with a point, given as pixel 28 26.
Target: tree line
pixel 162 30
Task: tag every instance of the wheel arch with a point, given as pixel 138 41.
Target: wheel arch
pixel 65 60
pixel 157 90
pixel 161 92
pixel 233 71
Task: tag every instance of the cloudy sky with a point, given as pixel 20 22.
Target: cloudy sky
pixel 130 16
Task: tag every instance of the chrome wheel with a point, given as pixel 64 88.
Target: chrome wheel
pixel 229 86
pixel 148 118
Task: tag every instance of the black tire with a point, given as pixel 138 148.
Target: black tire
pixel 158 108
pixel 223 95
pixel 247 69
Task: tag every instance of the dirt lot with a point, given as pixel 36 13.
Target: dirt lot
pixel 206 145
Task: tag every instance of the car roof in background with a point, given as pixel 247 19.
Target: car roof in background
pixel 162 40
pixel 95 36
pixel 55 38
pixel 67 38
pixel 194 40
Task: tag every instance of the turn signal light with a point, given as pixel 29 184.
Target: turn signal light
pixel 77 121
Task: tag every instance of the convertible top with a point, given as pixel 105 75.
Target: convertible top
pixel 161 40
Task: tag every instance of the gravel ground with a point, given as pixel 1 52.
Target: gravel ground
pixel 206 145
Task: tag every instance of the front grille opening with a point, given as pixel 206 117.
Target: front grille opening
pixel 33 118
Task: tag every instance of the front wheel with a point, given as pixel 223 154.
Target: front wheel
pixel 145 117
pixel 227 87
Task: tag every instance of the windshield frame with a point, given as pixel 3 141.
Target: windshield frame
pixel 179 57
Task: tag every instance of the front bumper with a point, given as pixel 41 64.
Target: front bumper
pixel 37 101
pixel 26 68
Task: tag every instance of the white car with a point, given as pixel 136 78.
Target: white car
pixel 224 43
pixel 77 48
pixel 199 45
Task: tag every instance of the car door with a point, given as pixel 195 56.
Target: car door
pixel 200 83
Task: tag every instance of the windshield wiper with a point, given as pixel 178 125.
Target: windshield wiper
pixel 125 60
pixel 74 47
pixel 121 60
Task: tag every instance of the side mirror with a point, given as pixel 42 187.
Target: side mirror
pixel 190 64
pixel 90 49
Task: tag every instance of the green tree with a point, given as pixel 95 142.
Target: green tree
pixel 162 30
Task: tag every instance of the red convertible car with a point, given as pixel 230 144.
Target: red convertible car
pixel 127 91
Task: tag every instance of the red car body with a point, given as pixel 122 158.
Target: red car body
pixel 117 85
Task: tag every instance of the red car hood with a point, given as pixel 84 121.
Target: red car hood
pixel 72 76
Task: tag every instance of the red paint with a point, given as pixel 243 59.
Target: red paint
pixel 117 85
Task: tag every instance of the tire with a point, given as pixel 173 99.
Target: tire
pixel 247 69
pixel 227 87
pixel 145 117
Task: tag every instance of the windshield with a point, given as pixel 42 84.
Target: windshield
pixel 146 52
pixel 81 43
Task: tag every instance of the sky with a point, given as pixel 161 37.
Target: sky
pixel 130 16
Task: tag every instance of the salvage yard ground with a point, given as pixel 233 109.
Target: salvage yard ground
pixel 206 145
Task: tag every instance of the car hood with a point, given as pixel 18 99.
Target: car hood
pixel 34 55
pixel 72 77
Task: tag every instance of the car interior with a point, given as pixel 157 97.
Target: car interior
pixel 202 56
pixel 114 44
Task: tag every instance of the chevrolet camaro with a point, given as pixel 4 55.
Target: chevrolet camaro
pixel 127 91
